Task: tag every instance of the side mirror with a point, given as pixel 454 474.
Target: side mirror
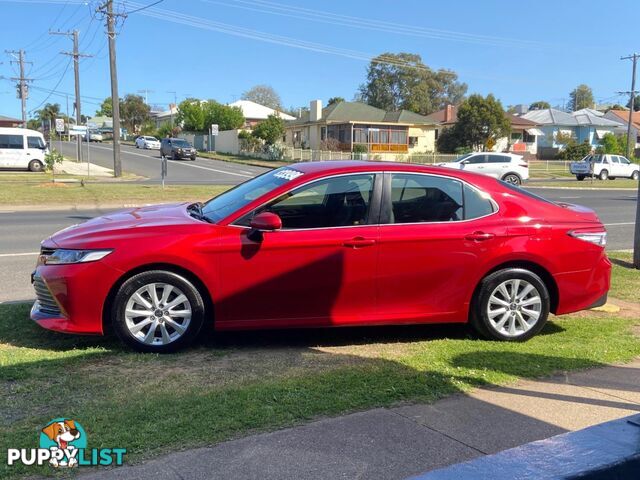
pixel 266 222
pixel 464 162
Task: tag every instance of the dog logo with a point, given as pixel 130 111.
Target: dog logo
pixel 63 437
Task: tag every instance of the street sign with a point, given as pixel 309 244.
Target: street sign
pixel 60 125
pixel 214 129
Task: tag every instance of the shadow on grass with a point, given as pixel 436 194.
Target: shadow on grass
pixel 622 263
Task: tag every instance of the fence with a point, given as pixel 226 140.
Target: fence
pixel 304 155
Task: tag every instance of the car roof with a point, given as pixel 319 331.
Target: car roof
pixel 355 166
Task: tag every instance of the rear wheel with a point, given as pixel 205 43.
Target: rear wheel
pixel 157 311
pixel 35 166
pixel 512 178
pixel 510 305
pixel 604 174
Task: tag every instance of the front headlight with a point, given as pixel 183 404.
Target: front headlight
pixel 62 256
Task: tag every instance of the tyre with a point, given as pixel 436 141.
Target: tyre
pixel 510 305
pixel 604 174
pixel 157 311
pixel 174 156
pixel 580 177
pixel 635 175
pixel 35 166
pixel 193 159
pixel 137 146
pixel 512 178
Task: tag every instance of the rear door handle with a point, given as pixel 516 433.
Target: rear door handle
pixel 359 242
pixel 479 236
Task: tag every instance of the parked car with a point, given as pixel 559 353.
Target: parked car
pixel 324 244
pixel 604 166
pixel 22 148
pixel 151 143
pixel 177 149
pixel 95 136
pixel 505 166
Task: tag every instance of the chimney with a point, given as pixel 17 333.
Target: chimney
pixel 448 113
pixel 315 110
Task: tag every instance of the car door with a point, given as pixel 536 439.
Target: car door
pixel 476 163
pixel 436 233
pixel 319 269
pixel 615 170
pixel 497 165
pixel 626 168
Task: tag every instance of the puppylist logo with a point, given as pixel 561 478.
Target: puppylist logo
pixel 63 444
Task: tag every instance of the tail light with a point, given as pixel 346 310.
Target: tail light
pixel 597 237
pixel 525 165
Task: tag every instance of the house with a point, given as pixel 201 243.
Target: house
pixel 523 137
pixel 356 123
pixel 622 116
pixel 9 122
pixel 166 117
pixel 100 122
pixel 255 113
pixel 582 125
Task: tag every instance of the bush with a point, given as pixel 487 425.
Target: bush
pixel 270 130
pixel 330 145
pixel 274 152
pixel 52 158
pixel 358 150
pixel 575 151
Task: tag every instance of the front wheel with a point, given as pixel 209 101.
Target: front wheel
pixel 580 177
pixel 193 159
pixel 35 166
pixel 604 174
pixel 157 311
pixel 512 178
pixel 510 305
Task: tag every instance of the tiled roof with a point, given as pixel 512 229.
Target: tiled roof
pixel 624 116
pixel 439 117
pixel 9 119
pixel 361 112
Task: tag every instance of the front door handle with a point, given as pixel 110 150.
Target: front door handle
pixel 479 236
pixel 359 242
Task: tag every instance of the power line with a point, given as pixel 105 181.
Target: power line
pixel 54 88
pixel 23 89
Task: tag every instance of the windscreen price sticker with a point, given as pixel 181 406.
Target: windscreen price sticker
pixel 288 174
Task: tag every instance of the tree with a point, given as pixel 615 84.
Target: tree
pixel 50 111
pixel 581 97
pixel 106 108
pixel 636 103
pixel 191 115
pixel 263 95
pixel 403 81
pixel 134 112
pixel 226 117
pixel 271 130
pixel 539 105
pixel 481 120
pixel 333 100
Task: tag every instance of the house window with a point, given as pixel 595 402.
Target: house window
pixel 516 137
pixel 436 133
pixel 341 135
pixel 323 133
pixel 528 138
pixel 413 141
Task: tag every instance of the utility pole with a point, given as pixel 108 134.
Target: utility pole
pixel 76 73
pixel 107 10
pixel 146 92
pixel 23 89
pixel 636 239
pixel 175 101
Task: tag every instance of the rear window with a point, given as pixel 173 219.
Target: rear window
pixel 12 141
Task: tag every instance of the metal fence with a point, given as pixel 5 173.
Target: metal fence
pixel 305 155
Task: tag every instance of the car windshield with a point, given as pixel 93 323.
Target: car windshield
pixel 181 143
pixel 224 205
pixel 459 159
pixel 151 139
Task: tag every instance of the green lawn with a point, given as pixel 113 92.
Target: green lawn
pixel 243 160
pixel 586 183
pixel 625 280
pixel 47 193
pixel 235 383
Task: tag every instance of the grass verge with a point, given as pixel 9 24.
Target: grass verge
pixel 561 183
pixel 50 194
pixel 625 280
pixel 232 384
pixel 256 162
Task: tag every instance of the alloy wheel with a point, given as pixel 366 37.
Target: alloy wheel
pixel 512 179
pixel 157 314
pixel 514 307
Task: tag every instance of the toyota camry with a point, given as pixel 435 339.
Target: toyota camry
pixel 326 244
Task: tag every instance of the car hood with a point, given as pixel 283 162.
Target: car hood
pixel 148 221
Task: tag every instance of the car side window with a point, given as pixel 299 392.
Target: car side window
pixel 341 201
pixel 425 198
pixel 476 203
pixel 614 159
pixel 35 142
pixel 624 160
pixel 12 141
pixel 476 159
pixel 499 159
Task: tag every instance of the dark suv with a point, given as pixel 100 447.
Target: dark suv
pixel 177 149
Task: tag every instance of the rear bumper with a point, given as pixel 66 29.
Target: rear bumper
pixel 584 289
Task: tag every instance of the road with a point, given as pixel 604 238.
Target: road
pixel 146 163
pixel 18 250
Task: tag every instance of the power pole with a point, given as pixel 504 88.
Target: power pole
pixel 175 101
pixel 23 89
pixel 76 73
pixel 107 10
pixel 636 239
pixel 146 92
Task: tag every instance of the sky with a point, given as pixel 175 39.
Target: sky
pixel 519 51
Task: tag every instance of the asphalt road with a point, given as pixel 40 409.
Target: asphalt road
pixel 18 250
pixel 146 163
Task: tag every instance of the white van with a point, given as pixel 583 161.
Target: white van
pixel 22 148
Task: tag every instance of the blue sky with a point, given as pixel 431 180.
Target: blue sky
pixel 521 52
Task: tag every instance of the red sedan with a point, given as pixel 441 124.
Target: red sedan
pixel 327 244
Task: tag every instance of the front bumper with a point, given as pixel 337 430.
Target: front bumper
pixel 71 298
pixel 183 155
